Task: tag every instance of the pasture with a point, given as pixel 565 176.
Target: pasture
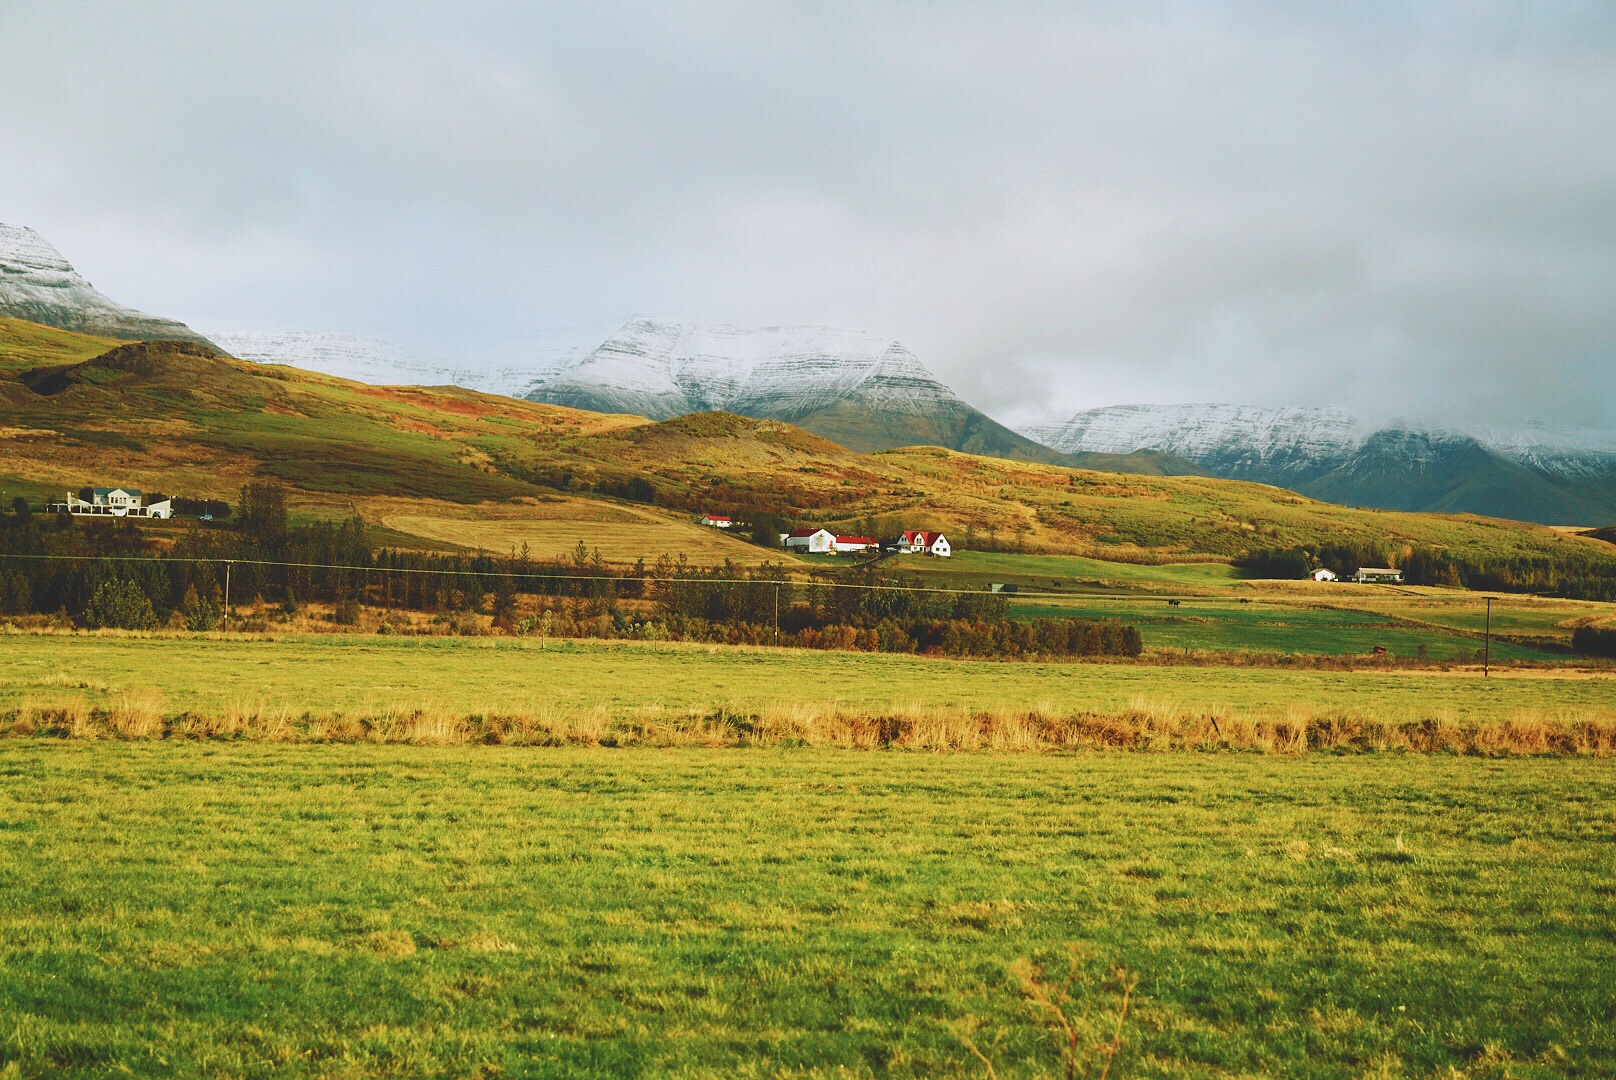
pixel 206 909
pixel 352 674
pixel 552 527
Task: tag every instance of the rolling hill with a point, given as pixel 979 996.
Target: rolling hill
pixel 171 416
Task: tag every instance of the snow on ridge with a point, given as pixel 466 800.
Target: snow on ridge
pixel 663 368
pixel 1250 436
pixel 1194 431
pixel 373 360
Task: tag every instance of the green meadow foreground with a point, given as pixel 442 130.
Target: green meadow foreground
pixel 212 677
pixel 240 909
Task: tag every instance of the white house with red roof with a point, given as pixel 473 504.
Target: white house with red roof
pixel 717 521
pixel 854 543
pixel 918 542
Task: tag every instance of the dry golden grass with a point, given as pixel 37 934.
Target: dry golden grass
pixel 1145 726
pixel 552 529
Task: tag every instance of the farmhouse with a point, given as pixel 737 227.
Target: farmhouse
pixel 915 542
pixel 1378 575
pixel 114 502
pixel 717 521
pixel 1324 575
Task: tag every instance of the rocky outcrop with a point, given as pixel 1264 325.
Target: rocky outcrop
pixel 38 284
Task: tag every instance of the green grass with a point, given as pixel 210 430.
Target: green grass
pixel 1271 627
pixel 250 910
pixel 1064 571
pixel 359 673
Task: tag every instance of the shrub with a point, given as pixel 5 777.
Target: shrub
pixel 1594 641
pixel 120 605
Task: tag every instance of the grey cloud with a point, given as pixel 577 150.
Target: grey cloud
pixel 1057 205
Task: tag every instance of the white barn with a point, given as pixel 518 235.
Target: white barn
pixel 1324 575
pixel 813 541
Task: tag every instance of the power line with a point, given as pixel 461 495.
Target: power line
pixel 544 575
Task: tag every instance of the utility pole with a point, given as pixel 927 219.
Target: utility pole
pixel 777 613
pixel 226 621
pixel 1487 655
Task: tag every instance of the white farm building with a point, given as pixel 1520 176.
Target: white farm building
pixel 114 502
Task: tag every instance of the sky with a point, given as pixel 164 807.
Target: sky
pixel 1405 209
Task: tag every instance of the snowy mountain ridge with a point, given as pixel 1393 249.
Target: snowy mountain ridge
pixel 1243 437
pixel 367 360
pixel 37 283
pixel 662 368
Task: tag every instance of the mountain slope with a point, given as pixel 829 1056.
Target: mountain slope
pixel 866 392
pixel 38 284
pixel 1532 474
pixel 172 417
pixel 371 360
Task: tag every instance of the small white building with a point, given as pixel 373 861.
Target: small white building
pixel 917 542
pixel 114 502
pixel 854 543
pixel 716 521
pixel 1378 575
pixel 813 541
pixel 1324 575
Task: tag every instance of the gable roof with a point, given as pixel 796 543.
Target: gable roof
pixel 800 533
pixel 854 540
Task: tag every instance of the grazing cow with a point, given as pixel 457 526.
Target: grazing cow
pixel 1380 650
pixel 1172 603
pixel 1245 599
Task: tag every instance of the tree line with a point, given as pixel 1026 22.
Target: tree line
pixel 1573 574
pixel 78 572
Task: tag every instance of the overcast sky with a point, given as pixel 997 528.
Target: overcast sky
pixel 1405 208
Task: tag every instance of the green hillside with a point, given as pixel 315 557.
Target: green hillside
pixel 76 410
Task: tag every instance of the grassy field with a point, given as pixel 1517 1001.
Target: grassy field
pixel 249 910
pixel 369 674
pixel 1276 627
pixel 552 527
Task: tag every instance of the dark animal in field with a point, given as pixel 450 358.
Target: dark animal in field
pixel 1245 599
pixel 1173 603
pixel 1379 650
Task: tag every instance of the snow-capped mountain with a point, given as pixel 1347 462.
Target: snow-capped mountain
pixel 38 284
pixel 1233 439
pixel 864 391
pixel 365 359
pixel 1560 476
pixel 664 369
pixel 372 360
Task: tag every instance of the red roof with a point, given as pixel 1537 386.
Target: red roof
pixel 854 540
pixel 924 539
pixel 804 532
pixel 717 517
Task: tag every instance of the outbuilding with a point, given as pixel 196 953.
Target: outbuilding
pixel 1324 575
pixel 1378 575
pixel 813 541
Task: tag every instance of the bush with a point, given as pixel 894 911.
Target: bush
pixel 1594 641
pixel 120 605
